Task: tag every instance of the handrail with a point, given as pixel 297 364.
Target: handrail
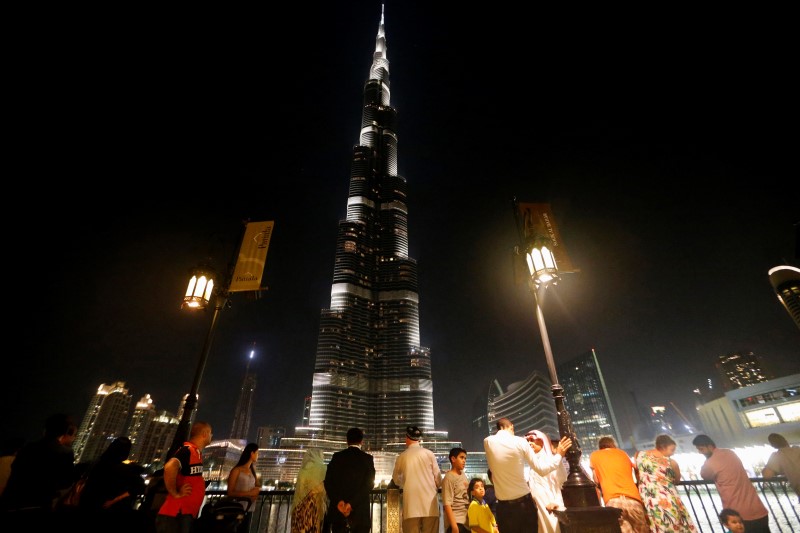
pixel 271 512
pixel 701 497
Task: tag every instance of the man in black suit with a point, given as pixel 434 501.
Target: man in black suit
pixel 348 482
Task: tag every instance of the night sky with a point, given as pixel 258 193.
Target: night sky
pixel 664 147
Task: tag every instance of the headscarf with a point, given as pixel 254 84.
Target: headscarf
pixel 310 482
pixel 559 475
pixel 546 446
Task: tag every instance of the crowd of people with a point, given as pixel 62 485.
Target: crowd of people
pixel 41 487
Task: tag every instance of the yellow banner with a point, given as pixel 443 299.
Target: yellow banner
pixel 252 257
pixel 538 221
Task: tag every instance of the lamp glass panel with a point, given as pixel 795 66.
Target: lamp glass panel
pixel 538 263
pixel 191 286
pixel 209 289
pixel 201 286
pixel 549 258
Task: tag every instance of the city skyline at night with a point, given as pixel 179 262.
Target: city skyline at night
pixel 668 167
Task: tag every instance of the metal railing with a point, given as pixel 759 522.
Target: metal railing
pixel 702 500
pixel 271 512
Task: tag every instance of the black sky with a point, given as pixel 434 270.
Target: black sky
pixel 666 150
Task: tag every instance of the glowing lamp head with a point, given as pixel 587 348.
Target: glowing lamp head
pixel 199 290
pixel 542 264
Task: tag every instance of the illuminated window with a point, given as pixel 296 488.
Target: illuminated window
pixel 762 417
pixel 790 412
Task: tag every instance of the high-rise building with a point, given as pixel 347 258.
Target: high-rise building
pixel 741 369
pixel 270 436
pixel 586 398
pixel 528 404
pixel 371 369
pixel 104 421
pixel 244 407
pixel 154 444
pixel 785 281
pixel 143 414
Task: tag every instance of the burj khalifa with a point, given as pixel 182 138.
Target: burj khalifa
pixel 371 370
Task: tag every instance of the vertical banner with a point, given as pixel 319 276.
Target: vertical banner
pixel 538 221
pixel 252 257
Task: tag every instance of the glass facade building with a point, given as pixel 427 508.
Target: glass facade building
pixel 586 399
pixel 371 369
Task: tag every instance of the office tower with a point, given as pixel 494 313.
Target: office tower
pixel 586 399
pixel 151 433
pixel 244 407
pixel 270 436
pixel 156 440
pixel 529 404
pixel 103 422
pixel 371 370
pixel 785 281
pixel 143 413
pixel 737 370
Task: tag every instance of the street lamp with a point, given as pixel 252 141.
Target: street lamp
pixel 578 490
pixel 199 292
pixel 244 275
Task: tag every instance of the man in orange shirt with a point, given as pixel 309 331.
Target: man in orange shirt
pixel 616 476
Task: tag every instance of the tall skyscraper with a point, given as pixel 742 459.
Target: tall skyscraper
pixel 741 369
pixel 104 421
pixel 586 398
pixel 785 281
pixel 371 369
pixel 244 407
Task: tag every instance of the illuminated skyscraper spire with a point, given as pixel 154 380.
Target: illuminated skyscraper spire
pixel 371 370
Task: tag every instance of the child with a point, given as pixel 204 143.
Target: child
pixel 732 520
pixel 480 517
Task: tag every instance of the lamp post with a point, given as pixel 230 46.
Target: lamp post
pixel 539 238
pixel 243 275
pixel 198 295
pixel 578 490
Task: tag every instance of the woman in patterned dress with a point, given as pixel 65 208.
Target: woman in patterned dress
pixel 658 474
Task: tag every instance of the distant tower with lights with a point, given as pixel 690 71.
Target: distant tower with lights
pixel 371 369
pixel 244 407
